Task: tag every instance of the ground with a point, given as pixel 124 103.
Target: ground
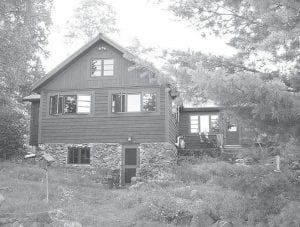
pixel 200 192
pixel 75 193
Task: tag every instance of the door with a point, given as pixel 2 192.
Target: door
pixel 130 162
pixel 232 132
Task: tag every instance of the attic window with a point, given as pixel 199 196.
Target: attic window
pixel 102 67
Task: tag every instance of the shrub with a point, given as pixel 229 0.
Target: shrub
pixel 13 127
pixel 288 217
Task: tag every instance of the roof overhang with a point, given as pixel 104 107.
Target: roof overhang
pixel 32 98
pixel 35 87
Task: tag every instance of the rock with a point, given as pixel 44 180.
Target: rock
pixel 194 193
pixel 4 221
pixel 136 186
pixel 66 223
pixel 42 217
pixel 1 198
pixel 202 220
pixel 222 224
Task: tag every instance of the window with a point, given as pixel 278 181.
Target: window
pixel 108 67
pixel 118 103
pixel 214 123
pixel 149 102
pixel 102 67
pixel 134 103
pixel 194 124
pixel 78 155
pixel 204 123
pixel 84 104
pixel 56 104
pixel 70 104
pixel 145 102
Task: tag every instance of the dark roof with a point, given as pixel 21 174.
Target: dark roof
pixel 32 97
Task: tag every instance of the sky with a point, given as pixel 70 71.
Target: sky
pixel 150 23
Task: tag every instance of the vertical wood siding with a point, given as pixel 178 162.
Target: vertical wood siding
pixel 77 74
pixel 34 123
pixel 172 131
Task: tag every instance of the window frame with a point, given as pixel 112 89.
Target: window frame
pixel 80 150
pixel 140 91
pixel 102 68
pixel 141 94
pixel 199 122
pixel 62 94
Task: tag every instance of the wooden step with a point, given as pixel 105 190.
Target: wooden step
pixel 232 146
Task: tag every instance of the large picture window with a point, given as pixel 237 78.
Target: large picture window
pixel 70 104
pixel 204 123
pixel 138 102
pixel 102 67
pixel 78 155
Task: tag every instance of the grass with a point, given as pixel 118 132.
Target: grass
pixel 73 192
pixel 242 195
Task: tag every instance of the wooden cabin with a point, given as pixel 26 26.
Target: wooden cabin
pixel 92 103
pixel 91 110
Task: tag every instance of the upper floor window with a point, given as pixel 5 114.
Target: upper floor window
pixel 70 104
pixel 102 67
pixel 204 123
pixel 137 102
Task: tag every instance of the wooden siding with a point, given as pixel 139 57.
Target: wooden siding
pixel 192 140
pixel 34 123
pixel 172 125
pixel 102 126
pixel 77 74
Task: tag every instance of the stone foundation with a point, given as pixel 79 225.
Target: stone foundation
pixel 157 160
pixel 102 155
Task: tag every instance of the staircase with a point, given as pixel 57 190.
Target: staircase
pixel 230 153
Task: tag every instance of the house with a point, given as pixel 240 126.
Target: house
pixel 92 111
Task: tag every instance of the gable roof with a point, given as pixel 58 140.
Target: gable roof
pixel 129 56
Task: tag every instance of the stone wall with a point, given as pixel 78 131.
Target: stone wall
pixel 157 160
pixel 102 155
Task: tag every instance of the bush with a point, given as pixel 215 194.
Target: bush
pixel 13 128
pixel 288 217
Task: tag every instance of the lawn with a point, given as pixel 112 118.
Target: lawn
pixel 74 194
pixel 199 193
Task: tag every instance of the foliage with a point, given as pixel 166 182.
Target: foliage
pixel 260 83
pixel 265 193
pixel 288 217
pixel 90 18
pixel 24 29
pixel 23 34
pixel 13 127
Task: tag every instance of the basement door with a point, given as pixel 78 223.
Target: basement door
pixel 130 162
pixel 232 133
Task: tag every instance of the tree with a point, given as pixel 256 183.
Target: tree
pixel 261 82
pixel 91 17
pixel 23 36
